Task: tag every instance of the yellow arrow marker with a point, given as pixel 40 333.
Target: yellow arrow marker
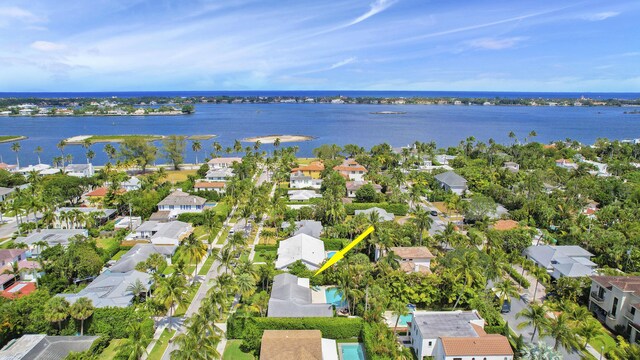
pixel 340 254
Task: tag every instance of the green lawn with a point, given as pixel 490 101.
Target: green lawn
pixel 7 245
pixel 207 265
pixel 106 243
pixel 168 270
pixel 199 231
pixel 110 351
pixel 161 345
pixel 224 235
pixel 233 352
pixel 190 295
pixel 118 255
pixel 260 255
pixel 605 340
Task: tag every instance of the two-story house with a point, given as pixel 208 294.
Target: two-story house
pixel 223 162
pixel 450 181
pixel 300 181
pixel 219 175
pixel 350 169
pixel 313 170
pixel 179 202
pixel 616 302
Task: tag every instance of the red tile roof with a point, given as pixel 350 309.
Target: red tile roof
pixel 414 252
pixel 503 225
pixel 489 345
pixel 314 166
pixel 102 192
pixel 18 290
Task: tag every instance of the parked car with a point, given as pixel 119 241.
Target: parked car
pixel 433 213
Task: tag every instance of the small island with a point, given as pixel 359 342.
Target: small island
pixel 81 139
pixel 11 138
pixel 388 112
pixel 270 139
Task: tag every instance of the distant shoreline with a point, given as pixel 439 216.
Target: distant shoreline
pixel 94 139
pixel 270 139
pixel 11 138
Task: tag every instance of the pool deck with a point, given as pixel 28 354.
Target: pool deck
pixel 318 296
pixel 390 319
pixel 340 345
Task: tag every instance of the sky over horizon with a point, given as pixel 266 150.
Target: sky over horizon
pixel 165 45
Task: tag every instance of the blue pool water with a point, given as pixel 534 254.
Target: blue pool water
pixel 210 204
pixel 404 319
pixel 334 297
pixel 330 254
pixel 351 352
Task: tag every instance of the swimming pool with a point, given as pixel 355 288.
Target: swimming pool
pixel 330 254
pixel 334 297
pixel 404 319
pixel 351 351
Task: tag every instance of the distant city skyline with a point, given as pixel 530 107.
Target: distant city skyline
pixel 117 45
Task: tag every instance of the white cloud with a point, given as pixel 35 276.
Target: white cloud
pixel 495 44
pixel 376 7
pixel 47 46
pixel 342 63
pixel 13 13
pixel 601 16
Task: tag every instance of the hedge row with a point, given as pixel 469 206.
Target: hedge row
pixel 335 244
pixel 331 328
pixel 517 277
pixel 396 209
pixel 263 247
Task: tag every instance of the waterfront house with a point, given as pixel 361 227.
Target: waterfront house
pixel 162 233
pixel 350 169
pixel 222 174
pixel 79 170
pixel 51 237
pixel 139 253
pixel 313 170
pixel 301 181
pixel 560 261
pixel 131 184
pixel 303 195
pixel 216 186
pixel 447 335
pixel 45 347
pixel 302 247
pixel 111 289
pixel 354 186
pixel 179 202
pixel 616 302
pixel 291 297
pixel 77 217
pixel 223 162
pixel 450 181
pixel 383 215
pixel 297 345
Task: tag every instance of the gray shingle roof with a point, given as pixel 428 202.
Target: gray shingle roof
pixel 110 289
pixel 451 179
pixel 289 299
pixel 52 236
pixel 545 255
pixel 382 213
pixel 139 253
pixel 43 347
pixel 178 198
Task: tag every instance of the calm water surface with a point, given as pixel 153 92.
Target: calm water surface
pixel 328 123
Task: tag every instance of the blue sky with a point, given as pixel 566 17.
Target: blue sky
pixel 119 45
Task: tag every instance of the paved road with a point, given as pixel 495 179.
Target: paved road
pixel 438 223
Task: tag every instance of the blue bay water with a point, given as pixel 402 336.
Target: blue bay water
pixel 327 123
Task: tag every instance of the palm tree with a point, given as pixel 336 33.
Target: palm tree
pixel 81 310
pixel 246 284
pixel 136 344
pixel 589 329
pixel 15 147
pixel 61 145
pixel 38 151
pixel 172 291
pixel 110 151
pixel 535 316
pixel 422 220
pixel 14 269
pixel 398 308
pixel 137 288
pixel 195 250
pixel 196 146
pixel 56 310
pixel 90 155
pixel 560 330
pixel 505 290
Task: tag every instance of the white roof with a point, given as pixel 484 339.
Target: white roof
pixel 384 215
pixel 300 247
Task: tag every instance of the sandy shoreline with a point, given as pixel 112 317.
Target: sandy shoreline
pixel 270 139
pixel 17 138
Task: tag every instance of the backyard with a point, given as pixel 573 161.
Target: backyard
pixel 233 352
